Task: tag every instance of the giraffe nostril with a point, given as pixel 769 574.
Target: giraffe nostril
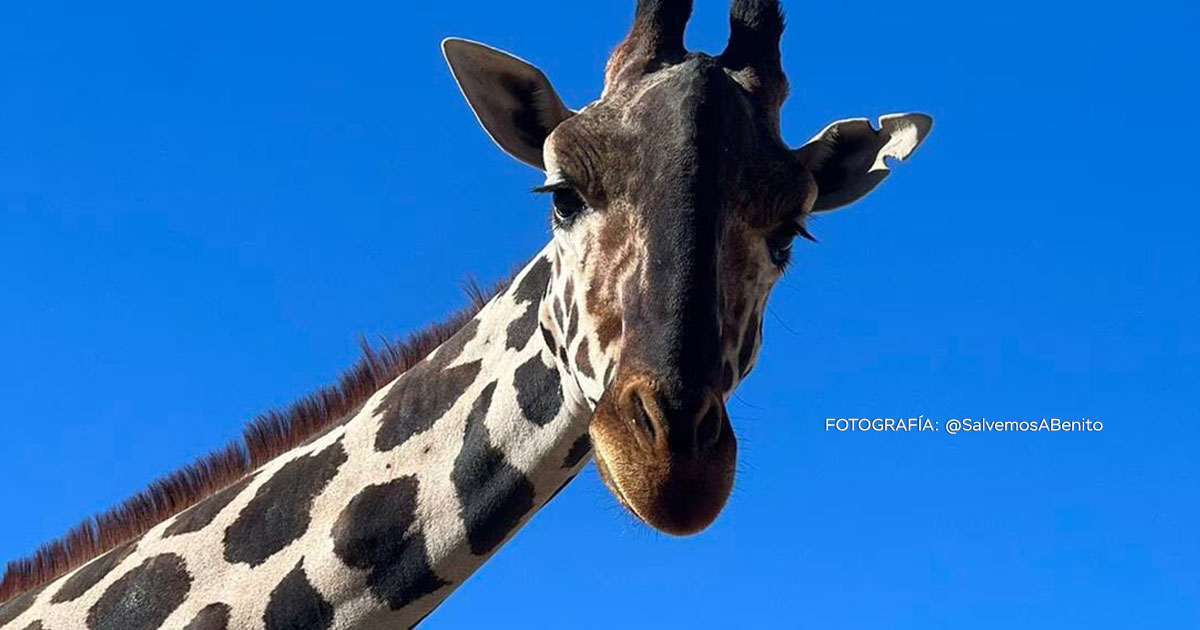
pixel 688 428
pixel 640 417
pixel 708 429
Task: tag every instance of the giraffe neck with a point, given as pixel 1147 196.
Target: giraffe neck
pixel 374 522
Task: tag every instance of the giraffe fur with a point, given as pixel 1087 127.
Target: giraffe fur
pixel 676 203
pixel 371 524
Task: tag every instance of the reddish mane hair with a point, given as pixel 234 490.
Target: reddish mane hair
pixel 264 438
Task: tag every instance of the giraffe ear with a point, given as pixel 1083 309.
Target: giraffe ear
pixel 849 157
pixel 513 100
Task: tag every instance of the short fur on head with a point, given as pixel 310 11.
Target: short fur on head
pixel 676 202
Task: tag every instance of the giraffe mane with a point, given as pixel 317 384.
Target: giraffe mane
pixel 265 437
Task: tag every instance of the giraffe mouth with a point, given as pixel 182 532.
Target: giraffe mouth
pixel 677 492
pixel 615 487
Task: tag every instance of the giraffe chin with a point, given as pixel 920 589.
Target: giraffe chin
pixel 674 494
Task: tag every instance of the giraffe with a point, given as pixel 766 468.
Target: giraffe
pixel 675 204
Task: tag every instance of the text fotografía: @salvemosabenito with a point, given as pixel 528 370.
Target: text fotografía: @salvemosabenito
pixel 955 426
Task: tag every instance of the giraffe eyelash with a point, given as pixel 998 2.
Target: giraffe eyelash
pixel 550 188
pixel 797 228
pixel 801 230
pixel 568 203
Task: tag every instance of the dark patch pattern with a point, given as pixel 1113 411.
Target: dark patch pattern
pixel 449 351
pixel 533 285
pixel 199 516
pixel 579 450
pixel 539 391
pixel 418 400
pixel 608 330
pixel 211 617
pixel 296 605
pixel 558 315
pixel 91 574
pixel 265 438
pixel 13 608
pixel 493 494
pixel 143 598
pixel 583 362
pixel 279 513
pixel 372 534
pixel 573 326
pixel 548 337
pixel 37 625
pixel 521 330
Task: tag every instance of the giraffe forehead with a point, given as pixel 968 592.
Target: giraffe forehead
pixel 683 135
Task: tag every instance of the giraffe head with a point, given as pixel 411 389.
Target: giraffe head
pixel 675 206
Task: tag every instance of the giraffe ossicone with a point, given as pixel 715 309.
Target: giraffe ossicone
pixel 675 203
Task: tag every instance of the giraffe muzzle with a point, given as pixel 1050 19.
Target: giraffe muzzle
pixel 669 458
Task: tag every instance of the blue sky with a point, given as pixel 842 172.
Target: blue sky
pixel 203 207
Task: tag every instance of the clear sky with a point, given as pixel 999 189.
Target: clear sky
pixel 202 207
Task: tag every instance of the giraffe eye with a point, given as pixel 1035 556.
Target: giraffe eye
pixel 779 245
pixel 567 204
